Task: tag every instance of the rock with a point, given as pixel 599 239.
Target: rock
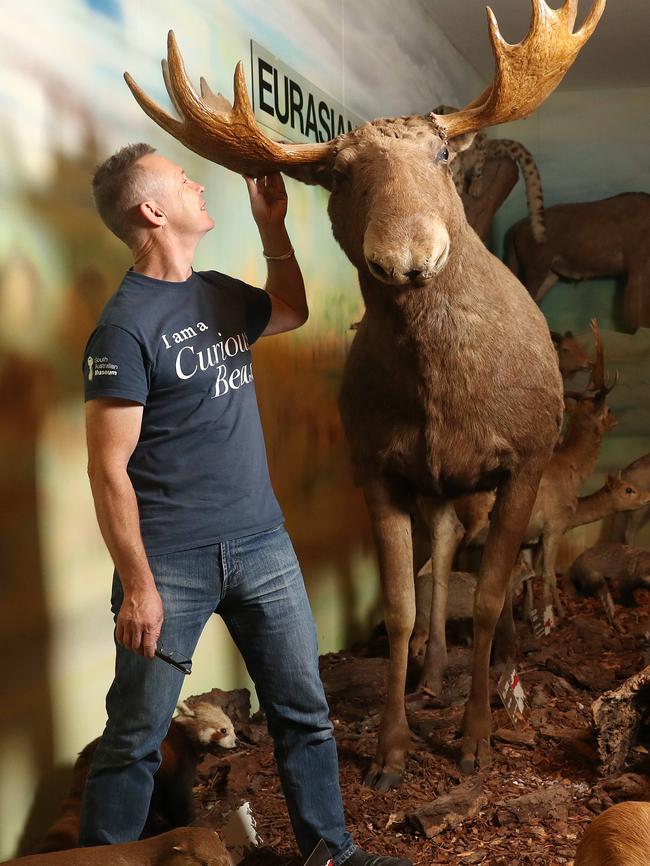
pixel 545 803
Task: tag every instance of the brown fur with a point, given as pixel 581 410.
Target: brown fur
pixel 571 357
pixel 172 803
pixel 431 404
pixel 183 846
pixel 556 502
pixel 619 836
pixel 616 495
pixel 606 238
pixel 629 566
pixel 626 526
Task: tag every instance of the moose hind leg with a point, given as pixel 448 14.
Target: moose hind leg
pixel 446 533
pixel 392 533
pixel 508 523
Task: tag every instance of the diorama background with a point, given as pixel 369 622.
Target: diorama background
pixel 63 108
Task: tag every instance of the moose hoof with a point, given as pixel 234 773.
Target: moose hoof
pixel 382 780
pixel 475 754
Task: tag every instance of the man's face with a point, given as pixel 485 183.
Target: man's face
pixel 180 198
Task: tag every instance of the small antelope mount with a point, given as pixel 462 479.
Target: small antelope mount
pixel 605 238
pixel 431 405
pixel 626 526
pixel 629 566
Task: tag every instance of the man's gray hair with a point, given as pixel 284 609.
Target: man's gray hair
pixel 118 187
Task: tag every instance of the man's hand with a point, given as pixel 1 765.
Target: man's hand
pixel 268 199
pixel 139 621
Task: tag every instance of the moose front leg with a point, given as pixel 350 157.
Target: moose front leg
pixel 391 528
pixel 508 523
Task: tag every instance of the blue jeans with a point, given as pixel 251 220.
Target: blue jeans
pixel 255 584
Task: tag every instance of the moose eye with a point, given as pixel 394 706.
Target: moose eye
pixel 338 176
pixel 443 155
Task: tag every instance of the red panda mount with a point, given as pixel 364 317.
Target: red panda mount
pixel 207 724
pixel 192 732
pixel 619 836
pixel 183 846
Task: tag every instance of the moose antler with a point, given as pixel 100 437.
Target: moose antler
pixel 211 127
pixel 527 72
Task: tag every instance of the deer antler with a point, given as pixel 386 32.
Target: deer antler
pixel 211 127
pixel 527 72
pixel 597 381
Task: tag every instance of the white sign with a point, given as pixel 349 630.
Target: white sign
pixel 284 101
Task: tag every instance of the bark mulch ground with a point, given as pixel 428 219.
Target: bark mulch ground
pixel 530 807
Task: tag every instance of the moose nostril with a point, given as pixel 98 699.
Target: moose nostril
pixel 377 269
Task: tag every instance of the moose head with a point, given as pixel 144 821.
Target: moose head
pixel 393 205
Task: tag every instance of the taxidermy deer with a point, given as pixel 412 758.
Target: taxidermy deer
pixel 626 526
pixel 616 496
pixel 191 732
pixel 619 836
pixel 573 461
pixel 467 170
pixel 431 404
pixel 629 566
pixel 606 238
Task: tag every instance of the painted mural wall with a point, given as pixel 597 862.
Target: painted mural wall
pixel 590 145
pixel 63 109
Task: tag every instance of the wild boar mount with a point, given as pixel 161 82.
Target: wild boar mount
pixel 452 383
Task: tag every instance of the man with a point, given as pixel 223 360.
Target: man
pixel 179 477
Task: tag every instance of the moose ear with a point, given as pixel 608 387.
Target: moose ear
pixel 461 142
pixel 316 174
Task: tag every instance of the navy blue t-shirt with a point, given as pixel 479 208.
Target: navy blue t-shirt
pixel 199 469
